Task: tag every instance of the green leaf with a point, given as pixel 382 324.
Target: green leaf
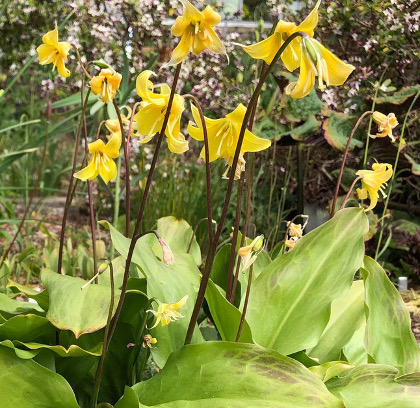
pixel 308 128
pixel 169 284
pixel 290 301
pixel 26 384
pixel 399 97
pixel 225 315
pixel 329 370
pixel 221 374
pixel 41 298
pixel 128 400
pixel 26 327
pixel 71 308
pixel 347 315
pixel 376 386
pixel 389 339
pixel 337 129
pixel 297 110
pixel 354 351
pixel 12 306
pixel 415 166
pixel 71 100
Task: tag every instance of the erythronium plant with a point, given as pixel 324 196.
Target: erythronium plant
pixel 292 328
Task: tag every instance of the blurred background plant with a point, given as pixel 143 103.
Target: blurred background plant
pixel 298 173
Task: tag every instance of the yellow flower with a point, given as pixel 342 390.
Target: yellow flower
pixel 373 181
pixel 150 116
pixel 385 124
pixel 317 61
pixel 55 52
pixel 223 135
pixel 268 48
pixel 167 312
pixel 106 84
pixel 290 243
pixel 113 125
pixel 148 341
pixel 294 230
pixel 196 31
pixel 101 160
pixel 250 252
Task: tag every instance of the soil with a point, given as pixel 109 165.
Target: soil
pixel 412 301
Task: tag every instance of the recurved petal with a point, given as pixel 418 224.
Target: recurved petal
pixel 61 68
pixel 213 42
pixel 190 12
pixel 96 84
pixel 310 22
pixel 266 49
pixel 89 172
pixel 338 71
pixel 51 38
pixel 373 196
pixel 46 54
pixel 177 144
pixel 63 48
pixel 112 148
pixel 96 146
pixel 291 55
pixel 305 82
pixel 149 119
pixel 144 86
pixel 182 49
pixel 254 143
pixel 179 27
pixel 107 169
pixel 210 16
pixel 237 115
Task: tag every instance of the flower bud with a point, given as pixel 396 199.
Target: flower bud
pixel 168 256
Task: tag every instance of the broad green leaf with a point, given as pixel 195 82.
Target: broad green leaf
pixel 40 297
pixel 297 110
pixel 415 165
pixel 308 128
pixel 225 315
pixel 177 233
pixel 26 384
pixel 24 354
pixel 71 308
pixel 354 351
pixel 74 99
pixel 399 97
pixel 329 370
pixel 389 339
pixel 26 327
pixel 290 301
pixel 222 374
pixel 347 315
pixel 337 129
pixel 376 386
pixel 169 284
pixel 128 400
pixel 13 307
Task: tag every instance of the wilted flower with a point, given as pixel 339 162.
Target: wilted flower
pixel 223 135
pixel 167 312
pixel 168 256
pixel 151 113
pixel 294 230
pixel 106 84
pixel 148 341
pixel 385 124
pixel 101 160
pixel 373 181
pixel 291 242
pixel 55 52
pixel 250 252
pixel 196 31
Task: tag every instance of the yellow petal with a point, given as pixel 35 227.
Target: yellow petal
pixel 213 42
pixel 190 12
pixel 266 49
pixel 179 27
pixel 144 88
pixel 51 38
pixel 96 84
pixel 46 54
pixel 183 48
pixel 177 144
pixel 237 115
pixel 89 172
pixel 63 48
pixel 61 68
pixel 337 71
pixel 310 22
pixel 107 169
pixel 254 143
pixel 210 16
pixel 96 146
pixel 291 55
pixel 149 119
pixel 306 79
pixel 112 148
pixel 361 193
pixel 178 305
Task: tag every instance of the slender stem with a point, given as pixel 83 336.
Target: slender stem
pixel 194 234
pixel 80 62
pixel 90 198
pixel 233 256
pixel 130 125
pixel 71 181
pixel 349 192
pixel 207 162
pixel 343 164
pixel 391 184
pixel 116 201
pixel 33 192
pixel 249 181
pixel 248 289
pixel 213 246
pixel 100 367
pixel 127 171
pixel 143 203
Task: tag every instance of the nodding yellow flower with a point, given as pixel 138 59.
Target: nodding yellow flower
pixel 196 31
pixel 150 116
pixel 294 230
pixel 54 52
pixel 223 135
pixel 148 341
pixel 101 162
pixel 106 84
pixel 268 48
pixel 317 61
pixel 250 252
pixel 385 124
pixel 373 182
pixel 167 312
pixel 113 125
